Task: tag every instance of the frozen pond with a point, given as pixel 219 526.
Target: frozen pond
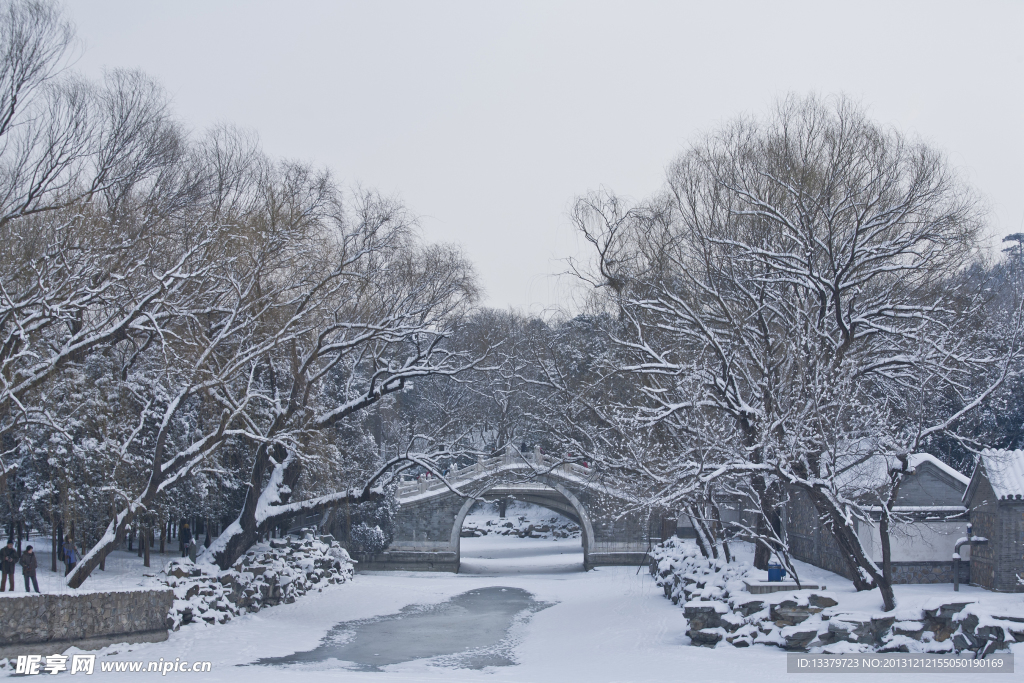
pixel 471 630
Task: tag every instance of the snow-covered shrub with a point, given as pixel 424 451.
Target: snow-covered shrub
pixel 368 539
pixel 372 525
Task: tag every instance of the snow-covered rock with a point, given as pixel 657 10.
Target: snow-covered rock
pixel 721 612
pixel 522 519
pixel 267 575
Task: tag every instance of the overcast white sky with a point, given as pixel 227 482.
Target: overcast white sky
pixel 488 118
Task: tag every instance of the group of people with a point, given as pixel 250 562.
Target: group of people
pixel 9 561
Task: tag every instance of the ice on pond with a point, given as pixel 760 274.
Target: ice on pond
pixel 471 630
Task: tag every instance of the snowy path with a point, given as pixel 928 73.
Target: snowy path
pixel 608 625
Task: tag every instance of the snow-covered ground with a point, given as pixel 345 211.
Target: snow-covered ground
pixel 123 571
pixel 504 555
pixel 610 624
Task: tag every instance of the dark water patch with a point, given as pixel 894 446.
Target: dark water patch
pixel 471 630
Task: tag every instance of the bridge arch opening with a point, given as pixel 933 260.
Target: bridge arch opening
pixel 553 496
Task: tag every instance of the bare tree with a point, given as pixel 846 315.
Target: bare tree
pixel 64 268
pixel 375 319
pixel 787 298
pixel 228 298
pixel 296 313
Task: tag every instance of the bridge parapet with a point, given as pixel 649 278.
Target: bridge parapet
pixel 538 463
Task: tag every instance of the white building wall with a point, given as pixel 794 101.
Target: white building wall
pixel 917 542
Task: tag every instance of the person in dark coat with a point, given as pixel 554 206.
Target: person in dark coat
pixel 186 539
pixel 28 568
pixel 8 562
pixel 70 555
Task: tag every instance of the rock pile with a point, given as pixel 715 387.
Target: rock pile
pixel 269 574
pixel 521 527
pixel 976 629
pixel 720 610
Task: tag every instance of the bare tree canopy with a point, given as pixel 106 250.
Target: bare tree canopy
pixel 177 310
pixel 794 301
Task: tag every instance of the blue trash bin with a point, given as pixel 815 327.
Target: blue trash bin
pixel 776 572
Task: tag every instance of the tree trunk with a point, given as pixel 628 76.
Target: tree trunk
pixel 147 532
pixel 240 535
pixel 885 585
pixel 762 551
pixel 716 514
pixel 866 574
pixel 709 535
pixel 53 544
pixel 116 530
pixel 700 530
pixel 244 532
pixel 884 522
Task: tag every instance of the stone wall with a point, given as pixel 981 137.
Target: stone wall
pixel 997 564
pixel 71 618
pixel 929 572
pixel 808 542
pixel 423 538
pixel 1005 545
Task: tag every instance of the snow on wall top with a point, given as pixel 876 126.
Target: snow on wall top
pixel 1005 470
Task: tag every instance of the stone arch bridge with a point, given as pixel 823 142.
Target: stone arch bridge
pixel 428 524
